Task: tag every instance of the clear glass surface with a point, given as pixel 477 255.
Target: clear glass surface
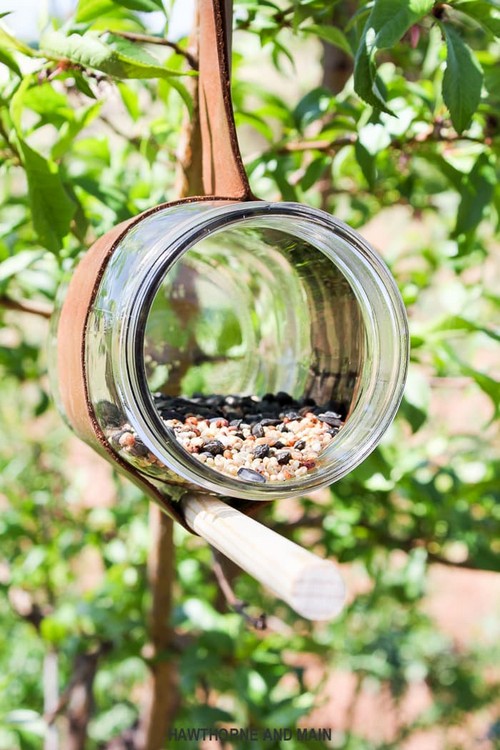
pixel 218 299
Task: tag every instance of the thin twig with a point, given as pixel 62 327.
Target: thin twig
pixel 331 146
pixel 26 305
pixel 260 622
pixel 132 36
pixel 133 140
pixel 316 521
pixel 11 146
pixel 279 18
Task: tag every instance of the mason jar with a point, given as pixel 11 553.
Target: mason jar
pixel 235 305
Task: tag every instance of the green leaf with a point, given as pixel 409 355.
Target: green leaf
pixel 477 193
pixel 71 128
pixel 459 324
pixel 8 41
pixel 131 100
pixel 485 13
pixel 332 35
pixel 366 162
pixel 52 106
pixel 51 207
pixel 17 263
pixel 145 6
pixel 462 81
pixel 388 21
pixel 490 386
pixel 124 60
pixel 7 60
pixel 91 10
pixel 312 106
pixel 314 171
pixel 82 84
pixel 88 10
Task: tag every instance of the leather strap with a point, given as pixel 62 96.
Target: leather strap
pixel 223 170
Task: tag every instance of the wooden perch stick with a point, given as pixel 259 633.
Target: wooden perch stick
pixel 311 586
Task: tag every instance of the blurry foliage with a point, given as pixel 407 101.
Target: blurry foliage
pixel 417 127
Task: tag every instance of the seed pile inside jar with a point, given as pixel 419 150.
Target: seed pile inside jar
pixel 272 439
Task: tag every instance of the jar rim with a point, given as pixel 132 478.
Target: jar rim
pixel 377 295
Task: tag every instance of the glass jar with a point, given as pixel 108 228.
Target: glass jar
pixel 242 305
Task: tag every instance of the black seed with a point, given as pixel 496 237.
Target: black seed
pixel 109 414
pixel 214 447
pixel 256 416
pixel 283 398
pixel 333 431
pixel 215 401
pixel 331 418
pixel 270 422
pixel 231 416
pixel 250 475
pixel 235 422
pixel 278 444
pixel 308 402
pixel 239 435
pixel 268 397
pixel 170 414
pixel 283 458
pixel 292 415
pixel 261 451
pixel 300 445
pixel 138 449
pixel 283 428
pixel 258 430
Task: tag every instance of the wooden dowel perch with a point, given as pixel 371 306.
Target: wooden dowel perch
pixel 311 586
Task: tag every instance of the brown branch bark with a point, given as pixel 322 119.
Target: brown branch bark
pixel 189 178
pixel 331 146
pixel 389 542
pixel 148 39
pixel 26 305
pixel 76 703
pixel 260 622
pixel 337 68
pixel 162 697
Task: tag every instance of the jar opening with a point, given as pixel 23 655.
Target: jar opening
pixel 253 350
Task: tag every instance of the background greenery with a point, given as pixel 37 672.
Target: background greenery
pixel 386 114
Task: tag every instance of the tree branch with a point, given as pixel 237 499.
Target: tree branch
pixel 77 699
pixel 260 622
pixel 162 696
pixel 436 135
pixel 26 306
pixel 406 545
pixel 189 176
pixel 132 36
pixel 14 151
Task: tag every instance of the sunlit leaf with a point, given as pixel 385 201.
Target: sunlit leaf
pixel 462 80
pixel 388 21
pixel 477 193
pixel 123 59
pixel 51 207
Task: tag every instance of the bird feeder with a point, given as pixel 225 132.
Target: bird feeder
pixel 222 351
